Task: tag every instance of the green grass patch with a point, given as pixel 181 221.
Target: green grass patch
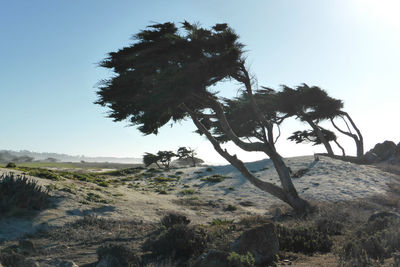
pixel 220 222
pixel 93 197
pixel 187 192
pixel 216 178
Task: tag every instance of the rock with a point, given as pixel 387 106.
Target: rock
pixel 382 215
pixel 397 153
pixel 212 258
pixel 260 241
pixel 383 151
pixel 371 157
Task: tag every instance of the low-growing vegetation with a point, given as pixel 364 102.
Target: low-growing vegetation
pixel 20 193
pixel 215 178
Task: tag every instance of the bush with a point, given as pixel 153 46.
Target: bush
pixel 117 256
pixel 216 178
pixel 371 242
pixel 302 239
pixel 45 174
pixel 11 165
pixel 21 193
pixel 179 242
pixel 172 219
pixel 238 260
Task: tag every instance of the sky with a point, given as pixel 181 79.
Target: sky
pixel 50 50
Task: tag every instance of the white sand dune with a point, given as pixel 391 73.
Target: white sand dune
pixel 327 180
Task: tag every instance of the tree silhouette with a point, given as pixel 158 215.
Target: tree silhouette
pixel 168 74
pixel 313 105
pixel 187 153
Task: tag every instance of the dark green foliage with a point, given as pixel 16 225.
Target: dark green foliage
pixel 180 241
pixel 311 136
pixel 221 222
pixel 124 172
pixel 11 165
pixel 165 68
pixel 216 178
pixel 330 227
pixel 308 103
pixel 117 256
pixel 237 260
pixel 187 153
pixel 149 159
pixel 302 239
pixel 43 173
pixel 174 218
pixel 163 157
pixel 19 192
pixel 230 208
pixel 375 240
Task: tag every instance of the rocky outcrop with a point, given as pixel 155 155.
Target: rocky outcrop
pixel 386 151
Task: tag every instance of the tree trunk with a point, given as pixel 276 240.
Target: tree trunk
pixel 288 194
pixel 292 196
pixel 320 136
pixel 341 148
pixel 358 139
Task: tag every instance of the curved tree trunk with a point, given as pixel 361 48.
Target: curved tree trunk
pixel 288 194
pixel 341 148
pixel 320 136
pixel 358 138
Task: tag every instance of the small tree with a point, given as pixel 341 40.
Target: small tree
pixel 162 157
pixel 149 159
pixel 165 157
pixel 310 136
pixel 313 105
pixel 187 153
pixel 169 75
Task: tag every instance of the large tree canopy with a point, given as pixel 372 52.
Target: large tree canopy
pixel 166 68
pixel 169 74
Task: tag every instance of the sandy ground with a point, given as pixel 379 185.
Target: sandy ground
pixel 327 180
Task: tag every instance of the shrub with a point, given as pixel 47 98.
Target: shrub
pixel 117 256
pixel 18 192
pixel 372 241
pixel 45 174
pixel 230 208
pixel 303 239
pixel 11 165
pixel 238 260
pixel 179 241
pixel 216 178
pixel 186 192
pixel 218 221
pixel 174 218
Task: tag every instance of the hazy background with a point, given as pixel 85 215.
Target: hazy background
pixel 49 52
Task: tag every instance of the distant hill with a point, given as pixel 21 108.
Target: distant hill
pixel 10 155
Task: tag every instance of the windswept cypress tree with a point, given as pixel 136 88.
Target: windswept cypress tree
pixel 167 74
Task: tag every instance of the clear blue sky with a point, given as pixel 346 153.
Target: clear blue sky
pixel 49 52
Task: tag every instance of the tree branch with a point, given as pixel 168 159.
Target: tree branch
pixel 265 186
